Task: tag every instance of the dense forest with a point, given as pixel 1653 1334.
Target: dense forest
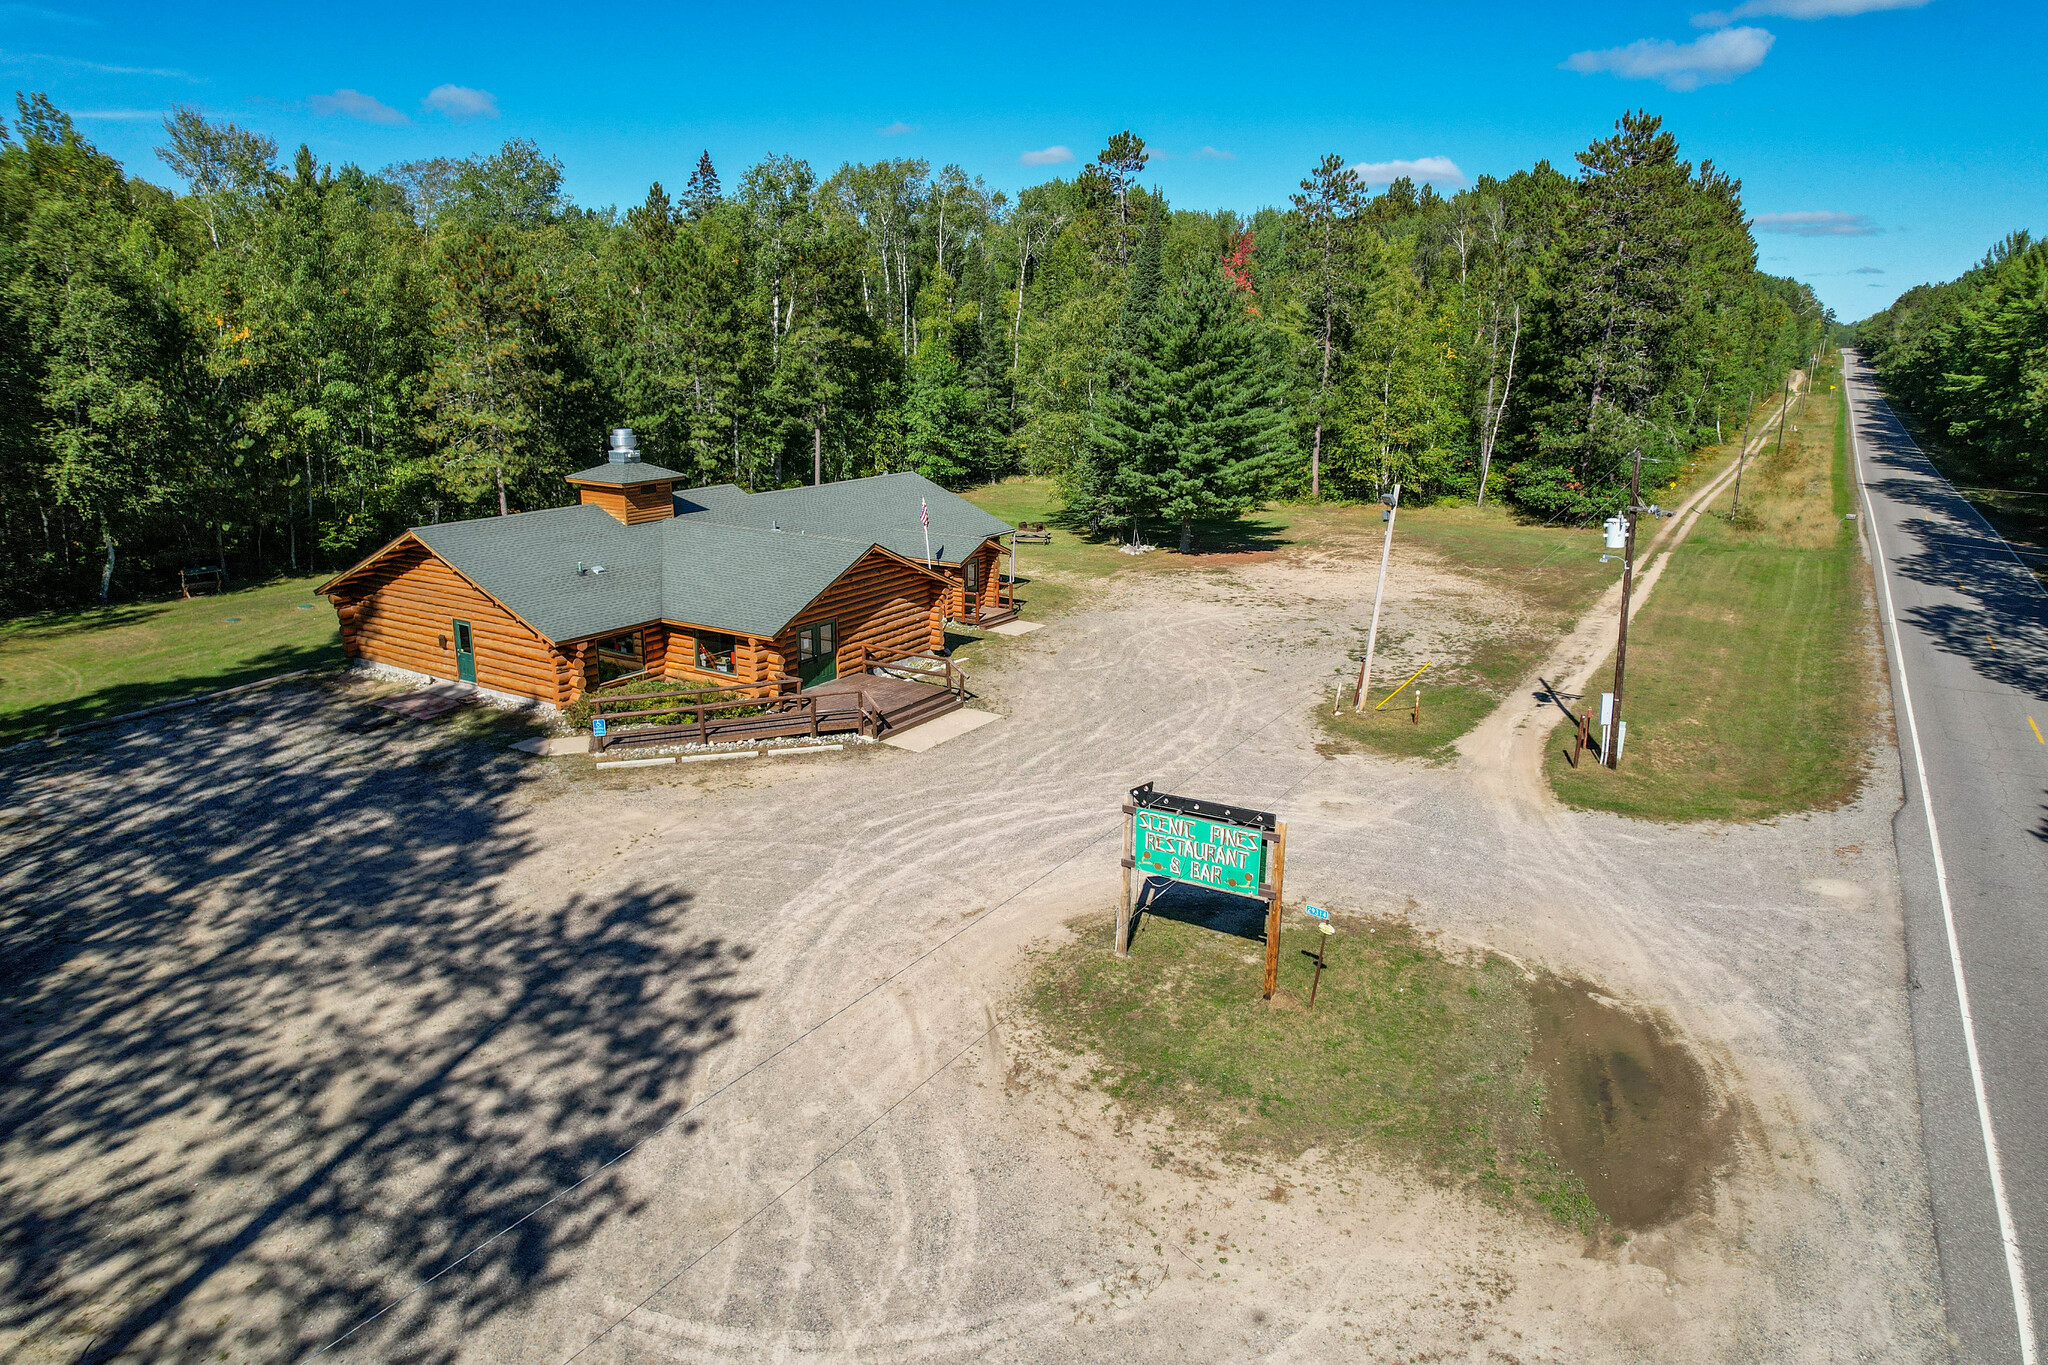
pixel 1970 359
pixel 284 363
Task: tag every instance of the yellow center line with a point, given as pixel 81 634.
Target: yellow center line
pixel 2037 730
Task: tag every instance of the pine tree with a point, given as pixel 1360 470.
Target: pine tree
pixel 1090 484
pixel 1141 294
pixel 702 194
pixel 1192 434
pixel 1122 160
pixel 1614 305
pixel 1328 203
pixel 499 372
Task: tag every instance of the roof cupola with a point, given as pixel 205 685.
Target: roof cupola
pixel 626 486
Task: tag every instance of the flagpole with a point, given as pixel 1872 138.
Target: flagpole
pixel 924 512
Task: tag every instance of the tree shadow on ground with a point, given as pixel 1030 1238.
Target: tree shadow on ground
pixel 1198 906
pixel 2003 632
pixel 119 699
pixel 1213 535
pixel 279 1045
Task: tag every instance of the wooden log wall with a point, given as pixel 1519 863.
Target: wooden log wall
pixel 402 612
pixel 990 557
pixel 633 505
pixel 888 607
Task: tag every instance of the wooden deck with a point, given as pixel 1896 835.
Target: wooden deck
pixel 869 702
pixel 902 703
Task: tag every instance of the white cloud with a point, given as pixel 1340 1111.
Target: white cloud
pixel 1437 170
pixel 1215 154
pixel 461 103
pixel 1048 156
pixel 1798 9
pixel 48 16
pixel 169 72
pixel 1815 223
pixel 1713 59
pixel 1868 270
pixel 896 129
pixel 118 115
pixel 355 104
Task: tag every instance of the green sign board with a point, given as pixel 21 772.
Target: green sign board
pixel 1200 852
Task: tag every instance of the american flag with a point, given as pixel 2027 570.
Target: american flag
pixel 924 511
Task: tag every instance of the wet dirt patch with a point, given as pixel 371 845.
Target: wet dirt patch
pixel 1531 1089
pixel 1628 1109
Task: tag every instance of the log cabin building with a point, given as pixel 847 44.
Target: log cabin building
pixel 712 585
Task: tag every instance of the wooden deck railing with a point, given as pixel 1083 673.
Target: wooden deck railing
pixel 775 707
pixel 932 668
pixel 776 697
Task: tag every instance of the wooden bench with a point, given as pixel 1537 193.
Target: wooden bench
pixel 189 579
pixel 1032 533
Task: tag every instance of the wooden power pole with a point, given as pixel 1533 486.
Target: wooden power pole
pixel 1742 451
pixel 1372 634
pixel 1628 577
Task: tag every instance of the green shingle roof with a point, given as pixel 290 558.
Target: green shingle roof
pixel 729 559
pixel 734 578
pixel 624 472
pixel 882 510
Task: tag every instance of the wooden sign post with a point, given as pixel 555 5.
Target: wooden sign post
pixel 1273 910
pixel 1204 843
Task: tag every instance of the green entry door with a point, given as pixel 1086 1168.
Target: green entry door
pixel 817 648
pixel 465 653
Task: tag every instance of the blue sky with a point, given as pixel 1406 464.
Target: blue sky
pixel 1882 143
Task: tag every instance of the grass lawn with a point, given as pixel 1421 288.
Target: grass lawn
pixel 1554 572
pixel 1051 577
pixel 1464 1067
pixel 1551 573
pixel 1751 682
pixel 63 668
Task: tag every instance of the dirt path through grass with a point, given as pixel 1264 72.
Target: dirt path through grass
pixel 1504 753
pixel 1753 671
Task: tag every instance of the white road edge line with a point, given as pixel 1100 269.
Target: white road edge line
pixel 2015 1269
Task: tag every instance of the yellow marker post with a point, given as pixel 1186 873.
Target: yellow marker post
pixel 1404 682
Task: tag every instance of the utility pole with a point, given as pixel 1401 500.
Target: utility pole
pixel 1784 411
pixel 1628 578
pixel 1742 451
pixel 1372 634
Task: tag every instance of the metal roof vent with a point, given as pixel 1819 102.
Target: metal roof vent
pixel 624 449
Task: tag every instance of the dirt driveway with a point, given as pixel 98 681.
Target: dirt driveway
pixel 303 1007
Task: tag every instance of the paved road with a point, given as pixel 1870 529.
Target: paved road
pixel 1967 630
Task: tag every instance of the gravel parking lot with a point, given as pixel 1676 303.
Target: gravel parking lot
pixel 320 1022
